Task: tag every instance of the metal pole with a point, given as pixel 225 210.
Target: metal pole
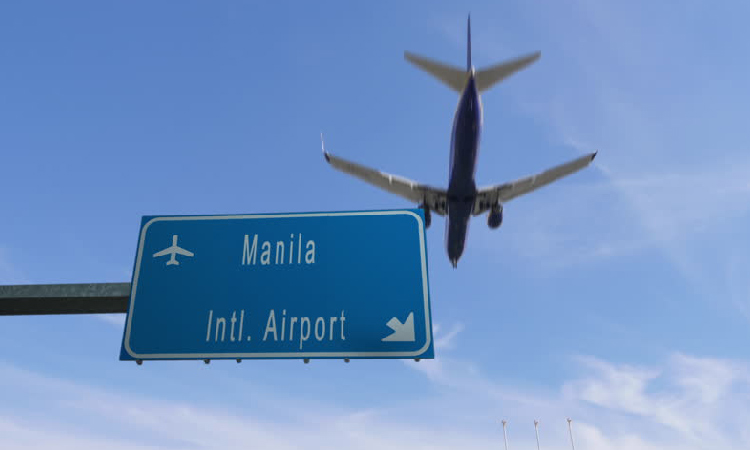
pixel 505 435
pixel 536 430
pixel 570 429
pixel 90 298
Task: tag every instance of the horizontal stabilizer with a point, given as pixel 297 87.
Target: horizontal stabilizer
pixel 486 78
pixel 452 76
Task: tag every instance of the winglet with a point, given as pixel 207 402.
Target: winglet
pixel 593 155
pixel 323 147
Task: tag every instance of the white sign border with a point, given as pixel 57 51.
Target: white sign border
pixel 285 355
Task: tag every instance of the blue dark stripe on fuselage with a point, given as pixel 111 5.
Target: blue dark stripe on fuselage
pixel 464 151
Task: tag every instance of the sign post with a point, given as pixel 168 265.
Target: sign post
pixel 314 285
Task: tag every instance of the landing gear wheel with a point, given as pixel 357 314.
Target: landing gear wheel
pixel 427 215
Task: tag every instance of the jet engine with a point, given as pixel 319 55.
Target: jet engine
pixel 427 215
pixel 495 217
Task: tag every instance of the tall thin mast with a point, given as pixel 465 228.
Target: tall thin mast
pixel 505 434
pixel 570 429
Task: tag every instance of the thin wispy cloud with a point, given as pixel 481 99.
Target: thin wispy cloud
pixel 189 425
pixel 686 402
pixel 434 368
pixel 658 90
pixel 446 341
pixel 672 151
pixel 629 214
pixel 703 401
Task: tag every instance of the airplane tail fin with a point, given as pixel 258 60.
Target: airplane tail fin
pixel 456 78
pixel 488 77
pixel 468 45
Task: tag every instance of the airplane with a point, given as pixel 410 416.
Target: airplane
pixel 172 251
pixel 462 199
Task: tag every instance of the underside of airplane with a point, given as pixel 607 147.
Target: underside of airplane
pixel 431 199
pixel 462 199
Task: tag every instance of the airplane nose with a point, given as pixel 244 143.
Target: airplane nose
pixel 455 247
pixel 453 255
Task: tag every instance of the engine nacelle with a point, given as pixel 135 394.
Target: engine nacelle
pixel 495 217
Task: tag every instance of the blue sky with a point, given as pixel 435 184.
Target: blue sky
pixel 618 297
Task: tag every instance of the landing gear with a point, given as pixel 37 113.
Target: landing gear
pixel 427 215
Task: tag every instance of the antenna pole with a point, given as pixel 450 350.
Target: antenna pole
pixel 505 434
pixel 570 429
pixel 536 430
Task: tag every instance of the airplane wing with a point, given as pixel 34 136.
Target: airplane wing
pixel 166 251
pixel 182 251
pixel 435 199
pixel 502 193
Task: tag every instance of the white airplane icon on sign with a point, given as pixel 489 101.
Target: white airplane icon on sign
pixel 172 251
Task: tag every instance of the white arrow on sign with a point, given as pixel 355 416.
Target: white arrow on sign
pixel 402 332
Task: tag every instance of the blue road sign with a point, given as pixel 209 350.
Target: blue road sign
pixel 317 285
